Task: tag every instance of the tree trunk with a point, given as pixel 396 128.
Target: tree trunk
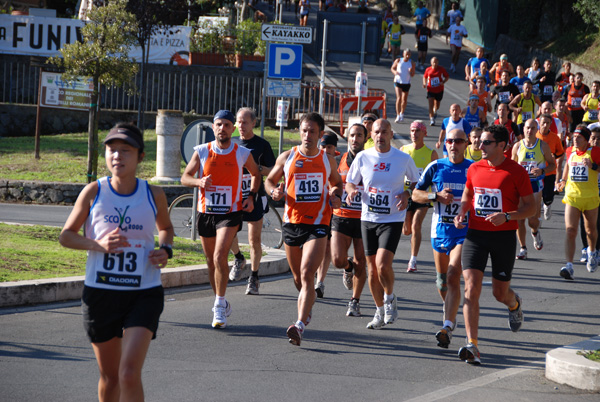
pixel 142 104
pixel 92 172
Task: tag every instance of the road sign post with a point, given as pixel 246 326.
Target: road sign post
pixel 283 64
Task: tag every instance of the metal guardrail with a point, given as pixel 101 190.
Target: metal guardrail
pixel 190 92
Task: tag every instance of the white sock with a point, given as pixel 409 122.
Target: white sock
pixel 220 301
pixel 413 259
pixel 381 310
pixel 388 298
pixel 300 325
pixel 569 265
pixel 448 323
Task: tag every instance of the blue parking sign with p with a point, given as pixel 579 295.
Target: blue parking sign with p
pixel 285 61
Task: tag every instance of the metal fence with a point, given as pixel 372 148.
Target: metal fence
pixel 183 89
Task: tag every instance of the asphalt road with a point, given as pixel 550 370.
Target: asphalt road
pixel 44 354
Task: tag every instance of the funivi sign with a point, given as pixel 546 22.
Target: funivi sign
pixel 41 36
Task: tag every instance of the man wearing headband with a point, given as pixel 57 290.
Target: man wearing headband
pixel 443 182
pixel 472 114
pixel 311 187
pixel 580 182
pixel 381 171
pixel 367 120
pixel 345 227
pixel 265 159
pixel 497 194
pixel 535 156
pixel 220 165
pixel 422 155
pixel 450 123
pixel 500 67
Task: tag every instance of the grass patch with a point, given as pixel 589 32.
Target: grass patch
pixel 593 355
pixel 585 52
pixel 33 252
pixel 63 158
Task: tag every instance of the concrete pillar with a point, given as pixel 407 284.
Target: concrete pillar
pixel 169 128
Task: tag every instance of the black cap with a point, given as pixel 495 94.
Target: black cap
pixel 129 136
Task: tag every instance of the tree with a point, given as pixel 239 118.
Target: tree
pixel 589 10
pixel 103 55
pixel 153 16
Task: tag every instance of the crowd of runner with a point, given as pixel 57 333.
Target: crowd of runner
pixel 489 180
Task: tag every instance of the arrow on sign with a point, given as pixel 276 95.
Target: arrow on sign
pixel 266 32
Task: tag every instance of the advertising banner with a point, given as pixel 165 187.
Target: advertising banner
pixel 43 36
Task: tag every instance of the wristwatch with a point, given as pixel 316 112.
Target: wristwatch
pixel 252 194
pixel 432 196
pixel 507 216
pixel 168 249
pixel 260 168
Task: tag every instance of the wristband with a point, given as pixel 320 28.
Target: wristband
pixel 168 249
pixel 252 195
pixel 594 166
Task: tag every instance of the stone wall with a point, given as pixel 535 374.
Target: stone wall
pixel 59 193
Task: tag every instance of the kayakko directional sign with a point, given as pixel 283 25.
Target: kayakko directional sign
pixel 286 33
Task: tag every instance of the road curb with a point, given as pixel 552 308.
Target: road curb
pixel 52 290
pixel 565 366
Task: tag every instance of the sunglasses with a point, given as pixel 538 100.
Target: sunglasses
pixel 455 141
pixel 488 142
pixel 372 120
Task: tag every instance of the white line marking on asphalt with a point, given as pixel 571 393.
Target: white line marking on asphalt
pixel 329 81
pixel 478 382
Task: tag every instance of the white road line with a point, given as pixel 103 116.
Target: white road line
pixel 475 383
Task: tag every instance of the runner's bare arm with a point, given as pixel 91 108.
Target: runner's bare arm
pixel 271 183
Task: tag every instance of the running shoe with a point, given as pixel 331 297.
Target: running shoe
pixel 227 309
pixel 567 273
pixel 412 266
pixel 377 321
pixel 353 308
pixel 470 354
pixel 391 311
pixel 522 254
pixel 592 262
pixel 432 122
pixel 584 255
pixel 320 289
pixel 294 334
pixel 538 243
pixel 348 277
pixel 236 269
pixel 515 318
pixel 219 317
pixel 547 212
pixel 253 285
pixel 444 336
pixel 398 119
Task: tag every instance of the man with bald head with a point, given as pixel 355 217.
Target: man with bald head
pixel 381 171
pixel 447 178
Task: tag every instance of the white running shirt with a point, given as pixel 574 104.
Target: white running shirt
pixel 382 177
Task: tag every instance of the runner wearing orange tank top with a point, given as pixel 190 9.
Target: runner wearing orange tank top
pixel 219 166
pixel 345 228
pixel 312 186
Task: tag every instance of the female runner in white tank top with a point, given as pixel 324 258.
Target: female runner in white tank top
pixel 403 70
pixel 123 296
